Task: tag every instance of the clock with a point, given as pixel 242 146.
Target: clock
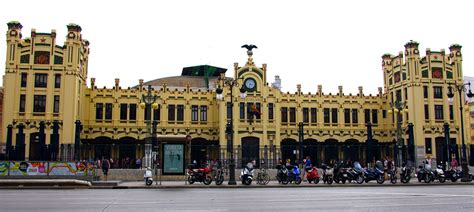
pixel 71 35
pixel 250 84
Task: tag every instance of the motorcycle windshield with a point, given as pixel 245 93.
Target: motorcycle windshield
pixel 357 167
pixel 379 165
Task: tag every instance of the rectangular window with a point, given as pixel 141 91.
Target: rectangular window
pixel 375 116
pixel 439 112
pixel 24 79
pixel 123 111
pixel 399 95
pixel 41 80
pixel 194 113
pixel 242 110
pixel 99 111
pixel 366 116
pixel 305 115
pixel 22 103
pixel 284 114
pixel 171 112
pixel 427 112
pixel 314 115
pixel 133 112
pixel 347 116
pixel 428 149
pixel 203 113
pixel 334 115
pixel 156 113
pixel 437 92
pixel 326 115
pixel 180 113
pixel 355 116
pixel 425 92
pixel 292 114
pixel 259 110
pixel 384 113
pixel 108 111
pixel 57 81
pixel 270 111
pixel 451 112
pixel 39 104
pixel 56 104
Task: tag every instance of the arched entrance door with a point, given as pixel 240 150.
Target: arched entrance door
pixel 250 150
pixel 127 157
pixel 288 150
pixel 331 150
pixel 102 147
pixel 441 150
pixel 310 148
pixel 352 150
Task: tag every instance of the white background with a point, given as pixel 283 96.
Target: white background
pixel 305 42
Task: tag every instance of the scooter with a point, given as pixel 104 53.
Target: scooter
pixel 340 173
pixel 453 174
pixel 439 174
pixel 246 175
pixel 405 173
pixel 375 174
pixel 392 175
pixel 294 175
pixel 219 176
pixel 312 175
pixel 148 176
pixel 282 174
pixel 327 174
pixel 425 173
pixel 356 173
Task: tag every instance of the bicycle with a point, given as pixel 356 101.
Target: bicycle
pixel 263 178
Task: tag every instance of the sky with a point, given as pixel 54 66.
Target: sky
pixel 328 43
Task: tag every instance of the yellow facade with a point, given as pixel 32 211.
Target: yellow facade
pixel 334 124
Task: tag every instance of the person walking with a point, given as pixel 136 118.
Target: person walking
pixel 454 163
pixel 105 168
pixel 138 163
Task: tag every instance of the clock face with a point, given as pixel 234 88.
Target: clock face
pixel 250 84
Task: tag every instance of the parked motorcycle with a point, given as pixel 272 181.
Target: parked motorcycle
pixel 202 175
pixel 405 173
pixel 148 176
pixel 453 174
pixel 425 173
pixel 392 175
pixel 439 174
pixel 218 176
pixel 327 174
pixel 376 173
pixel 312 175
pixel 356 173
pixel 246 175
pixel 340 173
pixel 282 174
pixel 294 174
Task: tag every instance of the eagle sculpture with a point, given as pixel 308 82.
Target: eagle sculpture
pixel 249 47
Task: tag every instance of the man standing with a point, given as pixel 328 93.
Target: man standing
pixel 105 167
pixel 138 163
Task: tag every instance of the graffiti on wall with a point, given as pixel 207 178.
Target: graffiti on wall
pixel 27 168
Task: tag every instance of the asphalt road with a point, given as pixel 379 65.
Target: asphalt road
pixel 409 198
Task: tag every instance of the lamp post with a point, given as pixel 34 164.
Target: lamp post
pixel 398 107
pixel 461 88
pixel 230 83
pixel 148 102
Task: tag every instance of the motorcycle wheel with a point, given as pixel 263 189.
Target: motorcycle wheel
pixel 316 181
pixel 149 182
pixel 454 179
pixel 207 180
pixel 380 179
pixel 190 180
pixel 442 179
pixel 219 180
pixel 360 179
pixel 393 180
pixel 330 180
pixel 248 181
pixel 427 178
pixel 285 181
pixel 343 181
pixel 309 181
pixel 298 181
pixel 266 179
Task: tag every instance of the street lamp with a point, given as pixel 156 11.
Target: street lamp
pixel 231 83
pixel 398 107
pixel 148 102
pixel 461 88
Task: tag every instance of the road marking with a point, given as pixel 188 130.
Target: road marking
pixel 405 205
pixel 411 194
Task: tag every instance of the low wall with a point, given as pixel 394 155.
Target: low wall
pixel 46 169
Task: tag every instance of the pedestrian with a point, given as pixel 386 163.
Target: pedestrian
pixel 307 163
pixel 428 160
pixel 138 163
pixel 454 163
pixel 105 167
